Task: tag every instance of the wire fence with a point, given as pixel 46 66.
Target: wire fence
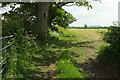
pixel 4 58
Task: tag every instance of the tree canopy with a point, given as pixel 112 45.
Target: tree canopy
pixel 37 19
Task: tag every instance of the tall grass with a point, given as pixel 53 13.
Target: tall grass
pixel 66 68
pixel 23 48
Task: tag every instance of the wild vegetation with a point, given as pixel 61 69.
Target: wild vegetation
pixel 110 53
pixel 64 56
pixel 31 26
pixel 43 47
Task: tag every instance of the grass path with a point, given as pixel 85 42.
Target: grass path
pixel 82 45
pixel 97 69
pixel 45 65
pixel 90 64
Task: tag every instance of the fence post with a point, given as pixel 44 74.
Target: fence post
pixel 4 58
pixel 0 45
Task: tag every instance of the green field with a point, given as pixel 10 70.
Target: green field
pixel 71 50
pixel 84 45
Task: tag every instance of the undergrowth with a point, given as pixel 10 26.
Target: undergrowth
pixel 111 53
pixel 66 68
pixel 24 47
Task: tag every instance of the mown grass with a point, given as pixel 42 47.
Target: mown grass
pixel 70 47
pixel 74 39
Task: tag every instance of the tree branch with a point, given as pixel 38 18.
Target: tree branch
pixel 59 6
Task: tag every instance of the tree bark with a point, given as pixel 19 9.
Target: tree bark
pixel 42 21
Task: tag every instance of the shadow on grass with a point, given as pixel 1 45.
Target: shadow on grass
pixel 100 69
pixel 68 43
pixel 49 57
pixel 101 66
pixel 93 68
pixel 43 64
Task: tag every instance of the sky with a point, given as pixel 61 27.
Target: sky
pixel 102 14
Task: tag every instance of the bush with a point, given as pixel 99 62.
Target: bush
pixel 57 28
pixel 111 53
pixel 23 48
pixel 113 37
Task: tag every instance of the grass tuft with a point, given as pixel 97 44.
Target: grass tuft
pixel 66 68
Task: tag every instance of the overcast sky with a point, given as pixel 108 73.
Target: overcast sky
pixel 103 13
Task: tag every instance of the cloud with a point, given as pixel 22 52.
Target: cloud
pixel 4 9
pixel 103 13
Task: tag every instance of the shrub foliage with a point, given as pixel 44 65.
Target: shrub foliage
pixel 111 53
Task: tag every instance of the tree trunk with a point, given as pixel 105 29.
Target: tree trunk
pixel 42 21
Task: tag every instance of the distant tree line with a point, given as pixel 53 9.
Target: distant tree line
pixel 88 27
